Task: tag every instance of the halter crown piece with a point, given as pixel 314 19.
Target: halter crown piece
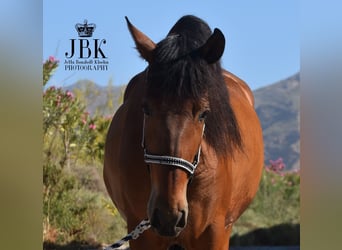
pixel 171 160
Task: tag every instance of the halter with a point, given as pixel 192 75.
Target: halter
pixel 171 160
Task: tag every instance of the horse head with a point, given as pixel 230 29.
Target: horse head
pixel 176 105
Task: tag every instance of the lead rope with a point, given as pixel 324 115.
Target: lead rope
pixel 142 227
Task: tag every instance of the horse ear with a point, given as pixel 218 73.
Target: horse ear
pixel 213 49
pixel 144 44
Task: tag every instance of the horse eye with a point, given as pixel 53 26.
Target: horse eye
pixel 202 116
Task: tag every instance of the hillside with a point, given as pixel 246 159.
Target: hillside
pixel 103 100
pixel 277 106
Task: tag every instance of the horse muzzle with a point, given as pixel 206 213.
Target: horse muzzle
pixel 169 223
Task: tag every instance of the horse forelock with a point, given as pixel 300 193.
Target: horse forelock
pixel 179 74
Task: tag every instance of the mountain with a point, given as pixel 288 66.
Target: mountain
pixel 102 100
pixel 277 106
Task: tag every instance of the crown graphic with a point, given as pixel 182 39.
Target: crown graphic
pixel 85 30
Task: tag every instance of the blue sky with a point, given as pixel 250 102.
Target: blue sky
pixel 262 37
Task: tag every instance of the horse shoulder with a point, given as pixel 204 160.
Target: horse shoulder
pixel 247 164
pixel 122 134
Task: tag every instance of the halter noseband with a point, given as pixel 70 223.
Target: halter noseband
pixel 171 160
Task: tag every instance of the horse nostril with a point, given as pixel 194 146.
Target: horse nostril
pixel 155 221
pixel 181 219
pixel 175 247
pixel 168 223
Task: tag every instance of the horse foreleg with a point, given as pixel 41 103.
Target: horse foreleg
pixel 216 237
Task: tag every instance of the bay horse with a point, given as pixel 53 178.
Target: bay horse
pixel 185 148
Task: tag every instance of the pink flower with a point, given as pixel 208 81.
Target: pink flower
pixel 277 166
pixel 52 59
pixel 70 94
pixel 92 126
pixel 84 121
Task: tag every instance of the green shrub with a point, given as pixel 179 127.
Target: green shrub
pixel 76 206
pixel 276 202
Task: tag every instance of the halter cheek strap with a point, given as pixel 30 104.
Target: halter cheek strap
pixel 171 160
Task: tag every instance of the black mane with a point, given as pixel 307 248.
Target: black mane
pixel 178 72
